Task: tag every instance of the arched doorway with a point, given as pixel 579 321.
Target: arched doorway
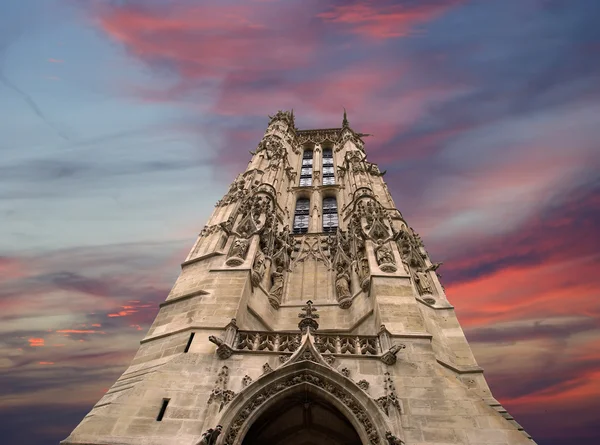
pixel 302 418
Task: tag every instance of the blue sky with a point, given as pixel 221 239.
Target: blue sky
pixel 125 121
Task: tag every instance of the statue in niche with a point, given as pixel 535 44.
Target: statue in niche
pixel 363 272
pixel 423 282
pixel 385 257
pixel 342 286
pixel 238 251
pixel 258 268
pixel 277 288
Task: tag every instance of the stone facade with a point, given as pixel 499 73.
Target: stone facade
pixel 237 355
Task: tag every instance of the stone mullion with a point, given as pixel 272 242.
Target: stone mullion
pixel 315 211
pixel 317 166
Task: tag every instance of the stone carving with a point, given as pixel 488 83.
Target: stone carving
pixel 339 393
pixel 392 440
pixel 363 384
pixel 237 253
pixel 285 116
pixel 247 380
pixel 210 436
pixel 308 317
pixel 390 399
pixel 259 341
pixel 326 344
pixel 389 357
pixel 317 136
pixel 345 372
pixel 237 191
pixel 349 135
pixel 266 342
pixel 342 287
pixel 429 300
pixel 423 282
pixel 354 160
pixel 385 257
pixel 220 394
pixel 283 248
pixel 277 288
pixel 267 368
pixel 330 359
pixel 283 358
pixel 373 169
pixel 310 248
pixel 258 268
pixel 358 248
pixel 224 351
pixel 308 355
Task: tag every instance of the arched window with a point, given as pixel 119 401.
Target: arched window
pixel 307 169
pixel 301 215
pixel 330 215
pixel 328 176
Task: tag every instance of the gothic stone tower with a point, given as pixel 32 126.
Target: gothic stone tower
pixel 307 312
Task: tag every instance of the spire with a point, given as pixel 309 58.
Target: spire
pixel 345 121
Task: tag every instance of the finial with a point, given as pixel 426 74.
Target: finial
pixel 345 121
pixel 308 316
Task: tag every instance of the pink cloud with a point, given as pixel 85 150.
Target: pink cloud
pixel 208 41
pixel 79 331
pixel 55 60
pixel 379 21
pixel 36 342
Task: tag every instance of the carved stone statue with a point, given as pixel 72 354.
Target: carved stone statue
pixel 258 268
pixel 385 257
pixel 210 436
pixel 423 282
pixel 342 287
pixel 237 253
pixel 363 271
pixel 277 289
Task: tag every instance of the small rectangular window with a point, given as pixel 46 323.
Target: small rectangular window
pixel 189 343
pixel 163 408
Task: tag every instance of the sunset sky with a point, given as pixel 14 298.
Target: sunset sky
pixel 124 121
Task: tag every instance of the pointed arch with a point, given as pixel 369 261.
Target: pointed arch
pixel 361 411
pixel 306 370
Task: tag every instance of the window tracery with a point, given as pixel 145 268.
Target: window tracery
pixel 301 217
pixel 330 215
pixel 328 168
pixel 306 169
